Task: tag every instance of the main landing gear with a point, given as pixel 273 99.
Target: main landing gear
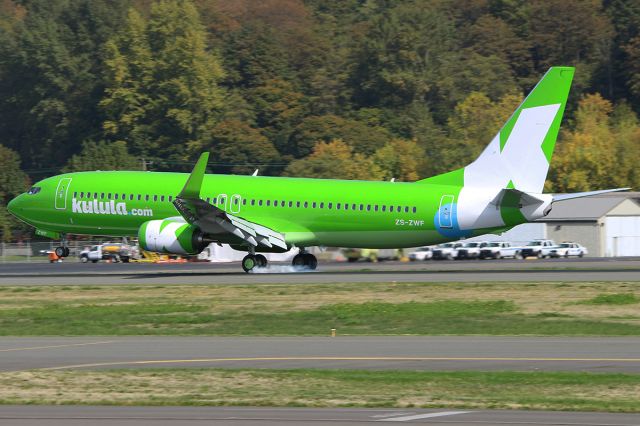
pixel 301 260
pixel 253 260
pixel 305 260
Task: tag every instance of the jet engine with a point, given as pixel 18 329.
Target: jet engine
pixel 171 236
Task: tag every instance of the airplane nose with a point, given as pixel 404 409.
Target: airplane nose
pixel 14 206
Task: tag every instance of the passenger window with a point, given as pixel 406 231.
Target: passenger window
pixel 338 206
pixel 368 207
pixel 259 202
pixel 82 195
pixel 124 197
pixel 399 209
pixel 214 200
pixel 268 203
pixel 115 196
pixel 244 201
pixel 290 203
pixel 361 207
pixel 353 206
pixel 346 206
pixel 322 205
pixel 390 209
pixel 139 197
pixel 109 196
pixel 75 195
pixel 253 202
pixel 275 203
pixel 95 195
pixel 155 198
pixel 313 205
pixel 384 208
pixel 208 200
pixel 415 209
pixel 282 203
pixel 298 204
pixel 329 205
pixel 406 209
pixel 306 204
pixel 102 195
pixel 146 197
pixel 375 207
pixel 162 198
pixel 170 198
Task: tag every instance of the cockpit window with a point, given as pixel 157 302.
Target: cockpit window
pixel 34 190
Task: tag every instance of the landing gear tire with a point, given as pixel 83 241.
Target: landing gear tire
pixel 249 262
pixel 60 251
pixel 305 260
pixel 261 261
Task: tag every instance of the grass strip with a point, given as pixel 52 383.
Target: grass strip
pixel 448 317
pixel 326 388
pixel 549 309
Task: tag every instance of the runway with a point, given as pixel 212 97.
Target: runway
pixel 568 270
pixel 441 353
pixel 239 416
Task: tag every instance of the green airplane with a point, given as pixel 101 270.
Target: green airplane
pixel 182 213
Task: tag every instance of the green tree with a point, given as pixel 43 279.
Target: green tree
pixel 102 156
pixel 237 148
pixel 13 181
pixel 335 160
pixel 162 94
pixel 50 82
pixel 400 159
pixel 358 135
pixel 589 155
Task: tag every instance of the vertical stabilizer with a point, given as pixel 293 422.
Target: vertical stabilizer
pixel 519 155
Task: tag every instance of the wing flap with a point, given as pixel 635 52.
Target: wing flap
pixel 215 221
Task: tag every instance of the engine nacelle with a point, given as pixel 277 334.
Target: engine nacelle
pixel 171 236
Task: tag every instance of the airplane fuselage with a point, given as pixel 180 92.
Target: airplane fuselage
pixel 307 211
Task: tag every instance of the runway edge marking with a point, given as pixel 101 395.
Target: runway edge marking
pixel 32 348
pixel 422 416
pixel 312 358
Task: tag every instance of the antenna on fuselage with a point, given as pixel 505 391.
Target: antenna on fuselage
pixel 392 180
pixel 255 173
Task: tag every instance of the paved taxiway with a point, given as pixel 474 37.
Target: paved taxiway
pixel 569 270
pixel 232 416
pixel 594 354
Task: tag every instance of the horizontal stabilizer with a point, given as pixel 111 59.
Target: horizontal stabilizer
pixel 560 197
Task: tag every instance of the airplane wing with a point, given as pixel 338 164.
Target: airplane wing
pixel 215 221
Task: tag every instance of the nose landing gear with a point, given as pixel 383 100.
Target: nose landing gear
pixel 62 250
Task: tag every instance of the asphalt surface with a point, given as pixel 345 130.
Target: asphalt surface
pixel 75 273
pixel 231 416
pixel 445 353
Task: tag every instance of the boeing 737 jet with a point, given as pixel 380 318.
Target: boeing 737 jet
pixel 182 213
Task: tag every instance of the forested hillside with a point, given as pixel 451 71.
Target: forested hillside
pixel 356 89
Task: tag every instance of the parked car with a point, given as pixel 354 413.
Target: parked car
pixel 446 251
pixel 537 248
pixel 470 250
pixel 567 249
pixel 423 253
pixel 499 250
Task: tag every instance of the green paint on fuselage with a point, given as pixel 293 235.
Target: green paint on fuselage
pixel 383 215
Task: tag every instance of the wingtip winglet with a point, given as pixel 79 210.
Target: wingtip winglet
pixel 194 182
